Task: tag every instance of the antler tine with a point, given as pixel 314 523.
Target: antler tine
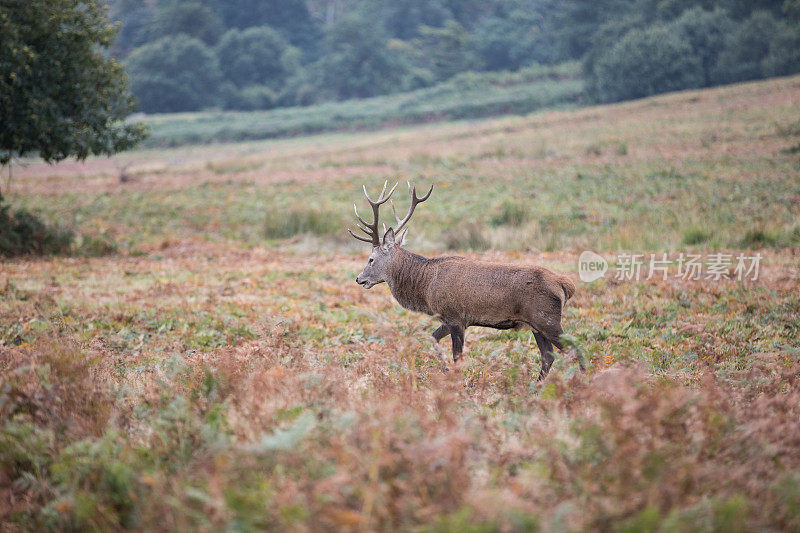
pixel 395 212
pixel 359 216
pixel 401 236
pixel 367 194
pixel 365 230
pixel 426 196
pixel 381 199
pixel 359 237
pixel 371 228
pixel 415 200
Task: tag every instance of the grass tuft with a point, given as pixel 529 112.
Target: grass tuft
pixel 511 213
pixel 300 220
pixel 760 238
pixel 695 235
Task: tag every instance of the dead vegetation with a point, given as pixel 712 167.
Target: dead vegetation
pixel 207 378
pixel 258 390
pixel 258 435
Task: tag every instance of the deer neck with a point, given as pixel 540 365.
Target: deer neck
pixel 408 280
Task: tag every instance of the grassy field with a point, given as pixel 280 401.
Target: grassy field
pixel 223 371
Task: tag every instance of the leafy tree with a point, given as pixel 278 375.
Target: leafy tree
pixel 60 94
pixel 403 18
pixel 705 32
pixel 515 37
pixel 745 49
pixel 188 18
pixel 784 51
pixel 134 18
pixel 666 10
pixel 448 50
pixel 495 44
pixel 576 21
pixel 469 12
pixel 647 62
pixel 256 56
pixel 357 62
pixel 174 74
pixel 791 8
pixel 290 18
pixel 742 9
pixel 315 50
pixel 602 41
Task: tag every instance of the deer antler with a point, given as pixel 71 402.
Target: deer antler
pixel 412 189
pixel 371 229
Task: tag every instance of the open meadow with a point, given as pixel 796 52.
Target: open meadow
pixel 206 361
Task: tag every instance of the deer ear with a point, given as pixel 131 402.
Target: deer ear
pixel 388 239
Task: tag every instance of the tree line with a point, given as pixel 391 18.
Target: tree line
pixel 185 55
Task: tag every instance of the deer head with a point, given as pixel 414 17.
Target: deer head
pixel 383 248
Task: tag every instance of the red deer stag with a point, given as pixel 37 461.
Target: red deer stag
pixel 463 292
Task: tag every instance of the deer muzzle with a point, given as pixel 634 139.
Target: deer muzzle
pixel 364 283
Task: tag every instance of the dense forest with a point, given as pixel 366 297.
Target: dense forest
pixel 187 55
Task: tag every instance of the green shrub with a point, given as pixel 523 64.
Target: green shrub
pixel 791 150
pixel 787 490
pixel 250 98
pixel 715 514
pixel 24 233
pixel 794 235
pixel 97 477
pixel 259 97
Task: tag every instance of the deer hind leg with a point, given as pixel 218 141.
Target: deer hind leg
pixel 441 332
pixel 457 335
pixel 546 349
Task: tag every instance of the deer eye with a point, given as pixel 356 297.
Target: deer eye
pixel 371 260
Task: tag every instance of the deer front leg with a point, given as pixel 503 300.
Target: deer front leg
pixel 440 333
pixel 546 349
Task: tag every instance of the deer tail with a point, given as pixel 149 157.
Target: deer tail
pixel 567 286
